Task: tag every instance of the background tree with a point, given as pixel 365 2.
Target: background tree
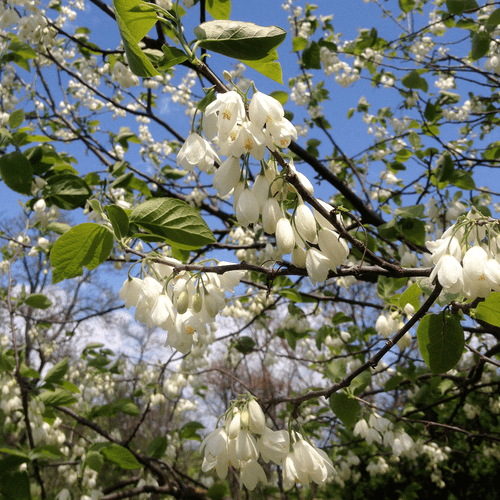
pixel 322 253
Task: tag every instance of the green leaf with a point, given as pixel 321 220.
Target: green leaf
pixel 217 491
pixel 16 172
pixel 345 408
pixel 280 96
pixel 393 382
pixel 489 309
pixel 7 362
pixel 84 245
pixel 16 118
pixel 58 227
pixel 157 447
pixel 299 43
pixel 119 220
pixel 406 5
pixel 462 180
pixel 410 296
pixel 56 374
pixel 28 372
pixel 121 456
pixel 171 57
pixel 66 191
pixel 38 301
pixel 441 341
pixel 219 9
pixel 387 286
pixel 458 7
pixel 94 460
pixel 188 431
pixel 238 39
pixel 494 19
pixel 480 45
pixel 413 80
pixel 361 382
pixel 290 294
pixel 268 66
pixel 310 57
pixel 414 211
pixel 46 451
pixel 127 407
pixel 15 486
pixel 245 345
pixel 174 221
pixel 134 22
pixel 60 397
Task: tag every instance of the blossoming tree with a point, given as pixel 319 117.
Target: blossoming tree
pixel 353 290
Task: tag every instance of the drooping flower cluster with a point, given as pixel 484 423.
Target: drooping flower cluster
pixel 239 130
pixel 180 303
pixel 467 257
pixel 244 436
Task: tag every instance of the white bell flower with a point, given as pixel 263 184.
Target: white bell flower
pixel 492 274
pixel 163 312
pixel 263 109
pixel 246 446
pixel 273 445
pixel 299 257
pixel 271 213
pixel 285 239
pixel 215 449
pixel 256 418
pixel 196 151
pixel 247 209
pixel 449 273
pixel 130 292
pixel 227 175
pixel 333 246
pixel 249 139
pixel 260 189
pixel 475 282
pixel 305 223
pixel 448 245
pixel 317 265
pixel 251 473
pixel 222 114
pixel 282 132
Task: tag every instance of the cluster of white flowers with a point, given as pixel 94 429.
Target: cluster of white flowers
pixel 244 436
pixel 467 256
pixel 180 303
pixel 225 122
pixel 380 430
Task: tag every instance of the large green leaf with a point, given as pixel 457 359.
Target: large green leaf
pixel 458 7
pixel 15 486
pixel 16 172
pixel 489 310
pixel 219 9
pixel 413 80
pixel 174 221
pixel 56 373
pixel 121 456
pixel 119 220
pixel 345 408
pixel 66 191
pixel 60 397
pixel 134 22
pixel 239 39
pixel 84 245
pixel 480 45
pixel 441 341
pixel 38 301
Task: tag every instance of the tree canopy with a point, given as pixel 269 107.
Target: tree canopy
pixel 303 219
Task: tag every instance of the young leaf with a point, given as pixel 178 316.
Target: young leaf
pixel 16 172
pixel 171 57
pixel 119 220
pixel 174 221
pixel 66 191
pixel 239 39
pixel 121 456
pixel 413 80
pixel 440 341
pixel 57 372
pixel 16 118
pixel 219 9
pixel 345 408
pixel 84 245
pixel 60 397
pixel 480 45
pixel 489 310
pixel 38 301
pixel 267 66
pixel 134 22
pixel 94 460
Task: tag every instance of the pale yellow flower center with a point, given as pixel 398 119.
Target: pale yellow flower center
pixel 249 144
pixel 226 115
pixel 189 330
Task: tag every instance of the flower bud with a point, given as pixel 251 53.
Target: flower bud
pixel 284 236
pixel 305 223
pixel 271 213
pixel 197 303
pixel 183 302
